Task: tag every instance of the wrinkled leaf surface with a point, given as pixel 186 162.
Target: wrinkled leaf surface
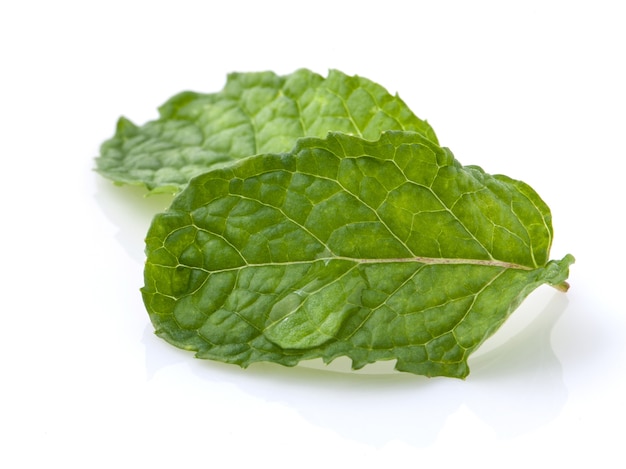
pixel 384 250
pixel 258 112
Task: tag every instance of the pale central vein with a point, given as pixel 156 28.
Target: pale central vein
pixel 438 260
pixel 366 261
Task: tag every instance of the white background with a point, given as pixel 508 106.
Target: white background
pixel 532 89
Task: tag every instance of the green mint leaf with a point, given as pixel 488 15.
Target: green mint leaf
pixel 254 113
pixel 385 250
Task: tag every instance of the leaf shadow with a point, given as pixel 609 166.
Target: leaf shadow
pixel 130 209
pixel 513 388
pixel 522 379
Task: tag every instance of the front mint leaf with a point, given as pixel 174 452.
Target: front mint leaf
pixel 385 250
pixel 255 113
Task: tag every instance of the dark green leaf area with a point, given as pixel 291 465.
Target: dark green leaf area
pixel 386 250
pixel 255 113
pixel 368 312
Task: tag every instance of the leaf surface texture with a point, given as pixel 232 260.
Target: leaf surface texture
pixel 255 113
pixel 384 249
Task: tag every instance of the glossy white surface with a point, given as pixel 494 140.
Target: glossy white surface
pixel 534 91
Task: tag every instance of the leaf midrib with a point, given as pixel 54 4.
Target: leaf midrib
pixel 417 260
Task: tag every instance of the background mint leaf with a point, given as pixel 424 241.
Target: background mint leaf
pixel 373 250
pixel 254 113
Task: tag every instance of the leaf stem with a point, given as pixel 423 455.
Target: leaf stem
pixel 562 287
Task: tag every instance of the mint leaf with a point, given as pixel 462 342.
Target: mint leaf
pixel 254 113
pixel 346 247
